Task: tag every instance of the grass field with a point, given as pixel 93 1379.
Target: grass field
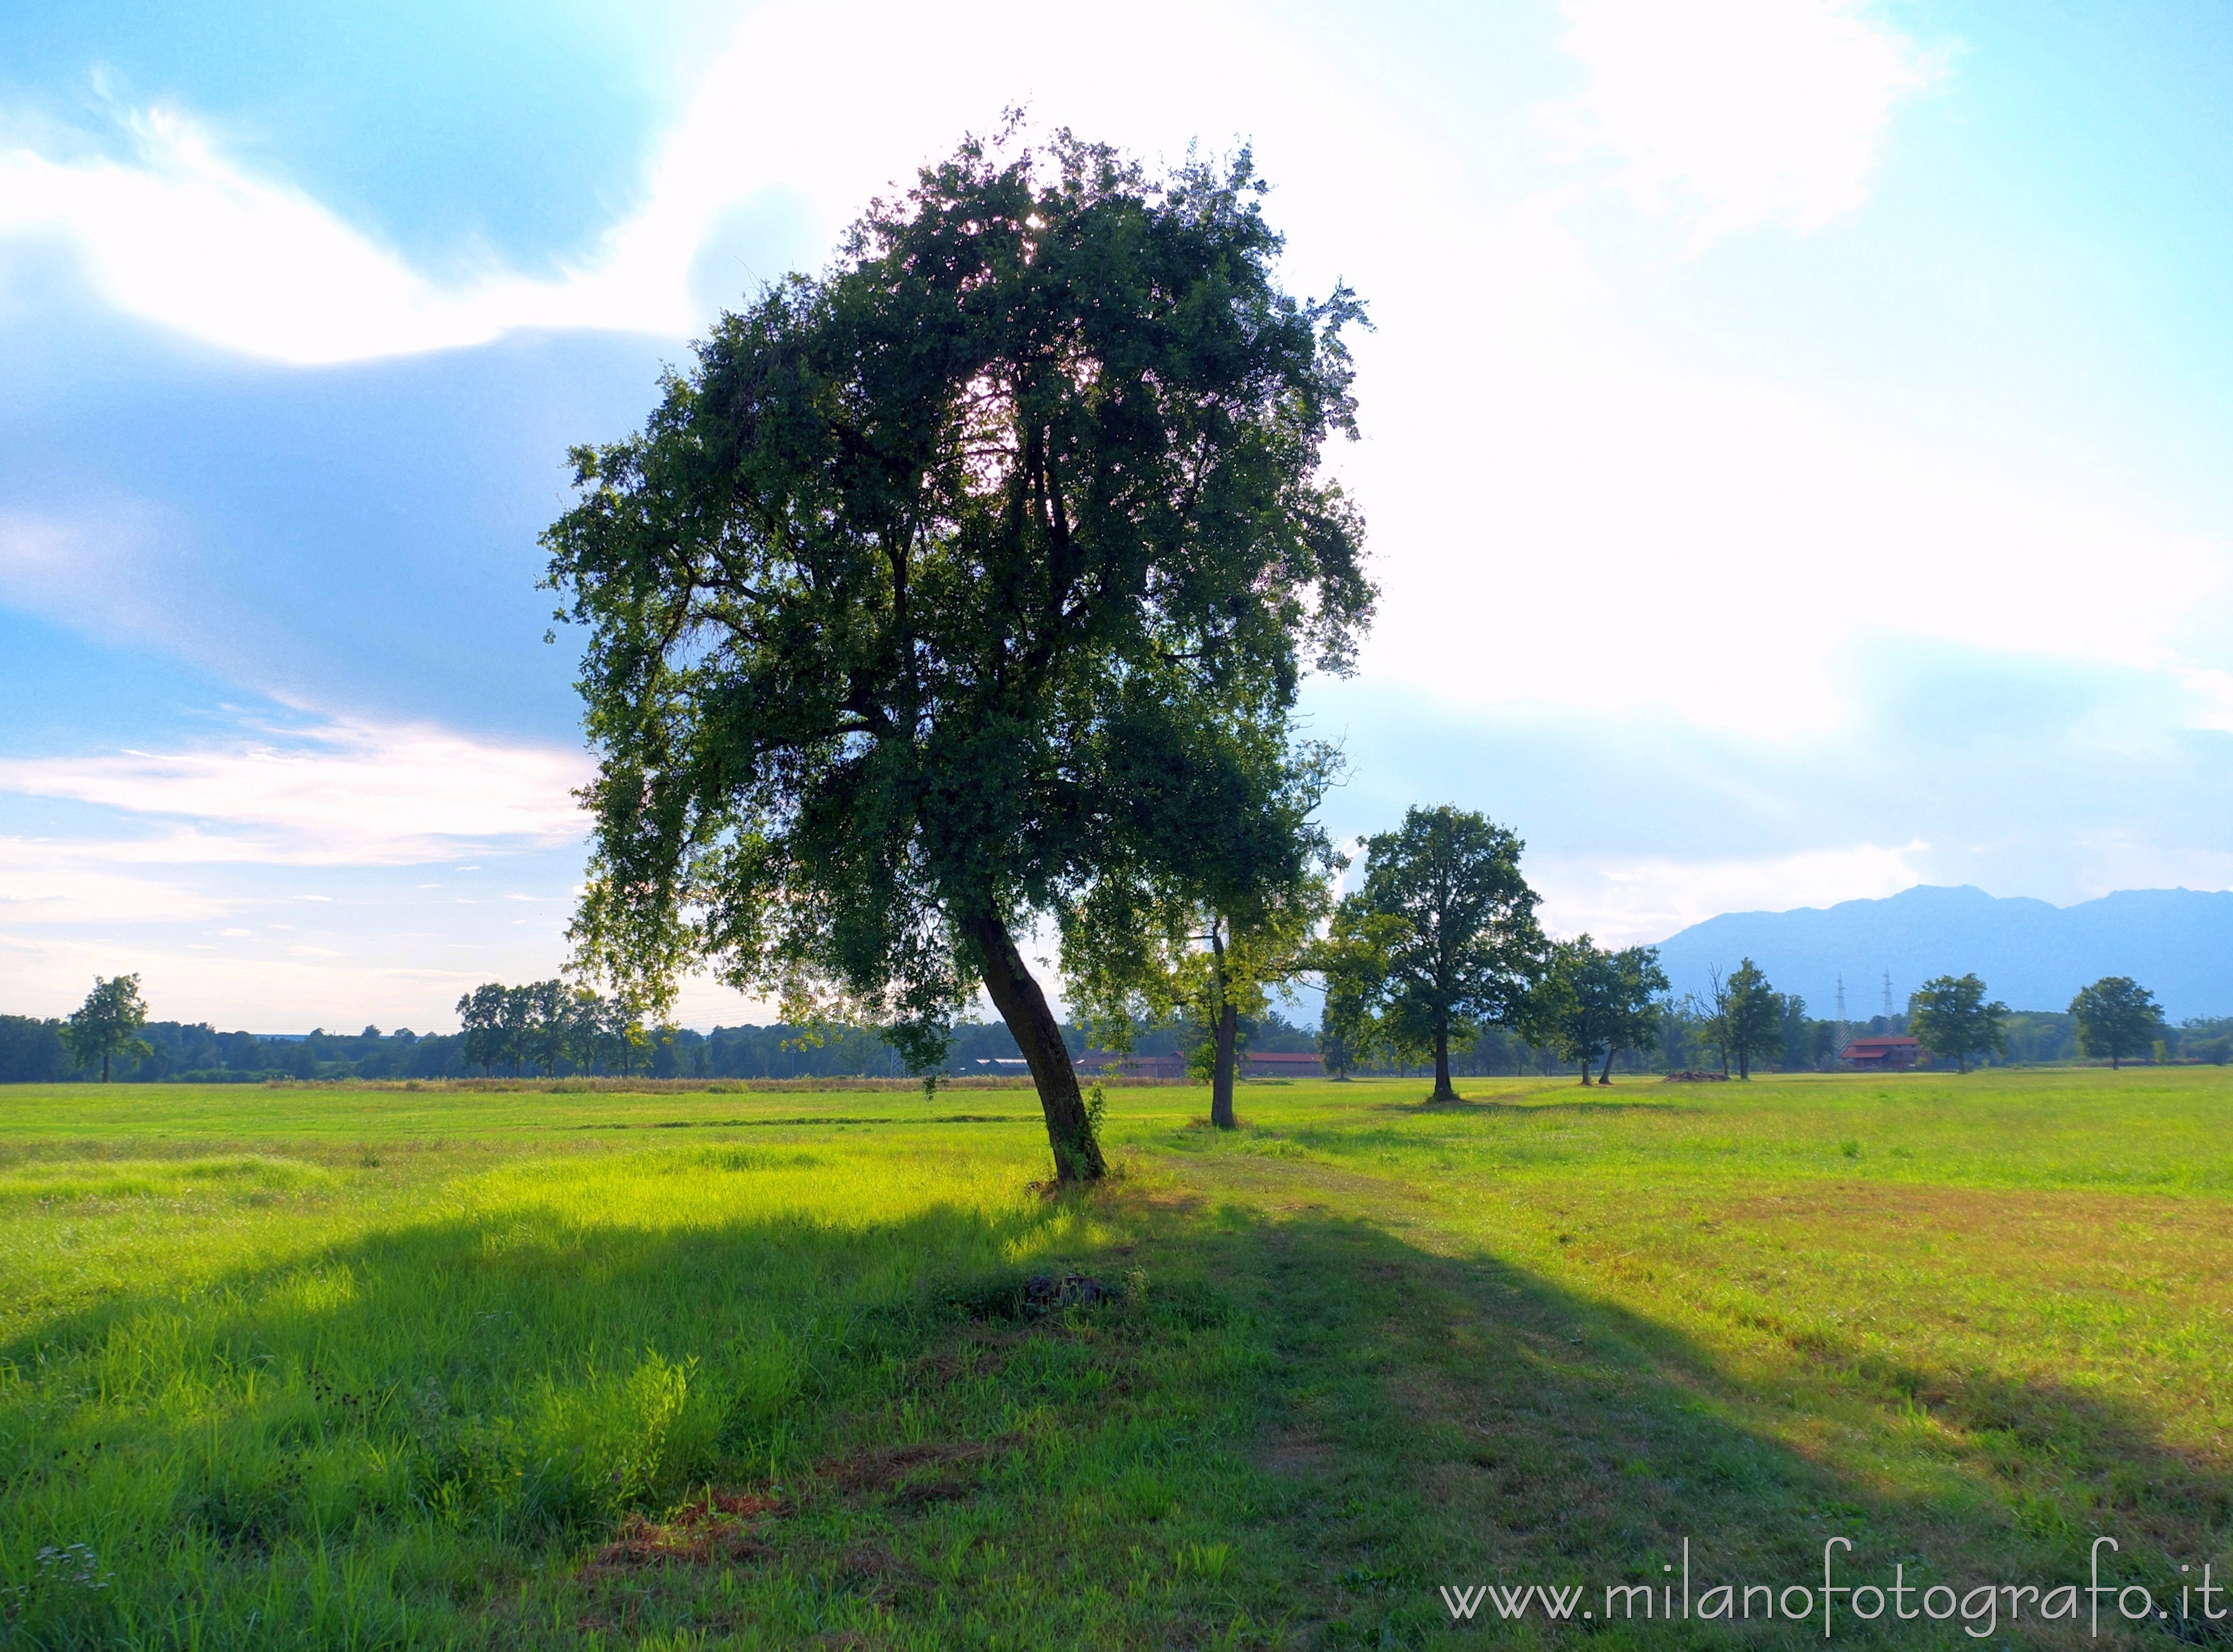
pixel 323 1368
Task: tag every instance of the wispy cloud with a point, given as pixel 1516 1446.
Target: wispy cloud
pixel 336 793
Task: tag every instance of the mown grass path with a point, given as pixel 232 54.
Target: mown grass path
pixel 300 1366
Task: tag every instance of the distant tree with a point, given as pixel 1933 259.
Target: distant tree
pixel 1948 1017
pixel 107 1024
pixel 580 1023
pixel 623 1027
pixel 1441 939
pixel 1334 1051
pixel 480 1017
pixel 548 1035
pixel 31 1051
pixel 1593 1003
pixel 909 601
pixel 1746 1017
pixel 2116 1017
pixel 516 1031
pixel 1352 962
pixel 1212 932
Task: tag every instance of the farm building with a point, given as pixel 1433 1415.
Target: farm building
pixel 1281 1063
pixel 1876 1054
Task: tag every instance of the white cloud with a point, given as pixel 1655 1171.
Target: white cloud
pixel 337 793
pixel 185 239
pixel 185 236
pixel 1627 902
pixel 1728 114
pixel 1647 535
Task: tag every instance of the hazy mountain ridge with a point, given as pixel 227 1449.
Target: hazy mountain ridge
pixel 2032 955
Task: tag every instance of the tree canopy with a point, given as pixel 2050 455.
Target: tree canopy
pixel 949 583
pixel 1441 939
pixel 107 1024
pixel 2116 1017
pixel 1949 1018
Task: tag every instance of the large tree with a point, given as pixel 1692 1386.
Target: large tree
pixel 1951 1018
pixel 107 1024
pixel 1441 939
pixel 920 596
pixel 2116 1017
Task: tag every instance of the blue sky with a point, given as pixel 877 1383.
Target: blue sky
pixel 1793 433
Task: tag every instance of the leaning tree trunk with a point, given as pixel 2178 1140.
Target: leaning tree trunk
pixel 1604 1078
pixel 1220 1079
pixel 1443 1091
pixel 1039 1035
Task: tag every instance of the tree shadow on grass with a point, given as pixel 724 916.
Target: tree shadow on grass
pixel 519 1429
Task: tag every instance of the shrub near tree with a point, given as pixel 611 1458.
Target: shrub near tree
pixel 916 596
pixel 107 1024
pixel 1951 1018
pixel 2116 1017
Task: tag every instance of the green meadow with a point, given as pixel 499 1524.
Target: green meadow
pixel 304 1367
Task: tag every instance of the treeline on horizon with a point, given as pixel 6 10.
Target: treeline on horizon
pixel 32 1052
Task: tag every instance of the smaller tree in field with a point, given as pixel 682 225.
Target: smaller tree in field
pixel 549 1024
pixel 1949 1018
pixel 622 1032
pixel 1593 1003
pixel 480 1017
pixel 2116 1017
pixel 1221 923
pixel 107 1024
pixel 1441 939
pixel 1747 1018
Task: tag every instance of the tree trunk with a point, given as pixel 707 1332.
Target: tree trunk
pixel 1220 1076
pixel 1024 1007
pixel 1443 1092
pixel 1606 1077
pixel 1227 1034
pixel 104 1066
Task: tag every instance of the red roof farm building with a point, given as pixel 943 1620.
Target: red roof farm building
pixel 1877 1054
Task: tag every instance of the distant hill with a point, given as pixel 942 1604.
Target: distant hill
pixel 2032 955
